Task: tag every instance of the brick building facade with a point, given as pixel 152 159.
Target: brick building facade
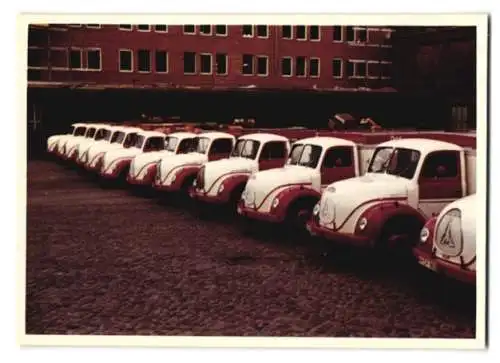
pixel 211 56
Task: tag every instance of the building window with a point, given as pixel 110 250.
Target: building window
pixel 161 61
pixel 206 29
pixel 337 68
pixel 314 67
pixel 361 35
pixel 161 28
pixel 350 34
pixel 126 60
pixel 36 57
pixel 144 60
pixel 338 33
pixel 286 66
pixel 247 66
pixel 143 27
pixel 221 63
pixel 94 59
pixel 314 32
pixel 287 32
pixel 75 59
pixel 300 32
pixel 206 63
pixel 385 68
pixel 262 65
pixel 247 31
pixel 356 68
pixel 94 26
pixel 125 26
pixel 372 69
pixel 189 29
pixel 221 30
pixel 262 31
pixel 189 63
pixel 300 66
pixel 58 58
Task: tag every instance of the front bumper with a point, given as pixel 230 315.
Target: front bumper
pixel 343 238
pixel 440 266
pixel 202 196
pixel 257 215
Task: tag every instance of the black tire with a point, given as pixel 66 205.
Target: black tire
pixel 234 199
pixel 297 216
pixel 407 231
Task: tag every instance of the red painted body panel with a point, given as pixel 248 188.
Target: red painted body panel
pixel 148 178
pixel 181 172
pixel 107 174
pixel 231 182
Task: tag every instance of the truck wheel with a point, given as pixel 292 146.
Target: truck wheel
pixel 297 216
pixel 398 236
pixel 234 199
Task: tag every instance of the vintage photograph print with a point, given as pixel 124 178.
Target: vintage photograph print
pixel 211 178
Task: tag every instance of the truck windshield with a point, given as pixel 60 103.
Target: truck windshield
pixel 200 145
pixel 395 161
pixel 246 149
pixel 102 134
pixel 80 131
pixel 90 132
pixel 171 143
pixel 309 155
pixel 130 139
pixel 117 137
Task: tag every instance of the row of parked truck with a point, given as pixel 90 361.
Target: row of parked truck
pixel 389 191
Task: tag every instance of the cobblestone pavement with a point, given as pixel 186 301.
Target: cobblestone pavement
pixel 105 261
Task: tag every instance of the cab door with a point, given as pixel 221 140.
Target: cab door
pixel 337 164
pixel 220 149
pixel 273 155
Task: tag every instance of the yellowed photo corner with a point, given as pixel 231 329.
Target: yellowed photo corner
pixel 480 20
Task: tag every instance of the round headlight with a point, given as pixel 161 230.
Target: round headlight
pixel 221 188
pixel 424 235
pixel 362 223
pixel 316 209
pixel 276 202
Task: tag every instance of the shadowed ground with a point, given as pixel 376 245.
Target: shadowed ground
pixel 103 261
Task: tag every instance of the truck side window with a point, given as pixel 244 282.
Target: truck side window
pixel 441 164
pixel 273 150
pixel 338 157
pixel 154 143
pixel 185 146
pixel 222 146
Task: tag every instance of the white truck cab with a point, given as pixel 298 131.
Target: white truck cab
pixel 288 194
pixel 222 181
pixel 176 173
pixel 448 242
pixel 407 182
pixel 102 136
pixel 116 162
pixel 143 166
pixel 70 147
pixel 122 137
pixel 53 142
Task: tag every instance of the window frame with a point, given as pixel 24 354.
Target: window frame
pixel 87 58
pixel 186 32
pixel 341 76
pixel 291 32
pixel 291 66
pixel 93 26
pixel 201 63
pixel 160 31
pixel 120 27
pixel 257 57
pixel 58 49
pixel 166 61
pixel 342 33
pixel 138 52
pixel 226 58
pixel 305 66
pixel 243 35
pixel 261 36
pixel 351 157
pixel 319 33
pixel 205 34
pixel 319 67
pixel 355 62
pixel 184 64
pixel 80 50
pixel 305 33
pixel 252 57
pixel 225 34
pixel 143 30
pixel 131 52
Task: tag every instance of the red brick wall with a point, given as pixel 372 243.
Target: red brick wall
pixel 110 39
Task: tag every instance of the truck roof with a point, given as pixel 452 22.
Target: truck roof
pixel 79 124
pixel 421 144
pixel 215 134
pixel 147 133
pixel 183 134
pixel 263 137
pixel 326 141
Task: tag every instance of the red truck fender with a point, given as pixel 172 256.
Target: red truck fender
pixel 380 218
pixel 289 196
pixel 232 181
pixel 182 174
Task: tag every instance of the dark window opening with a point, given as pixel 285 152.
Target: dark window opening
pixel 94 59
pixel 337 68
pixel 314 67
pixel 300 32
pixel 350 69
pixel 247 30
pixel 161 28
pixel 262 31
pixel 189 29
pixel 362 35
pixel 286 32
pixel 221 60
pixel 144 60
pixel 286 66
pixel 273 150
pixel 361 71
pixel 189 62
pixel 35 57
pixel 247 66
pixel 221 146
pixel 154 144
pixel 125 26
pixel 205 63
pixel 350 33
pixel 314 32
pixel 221 29
pixel 262 66
pixel 143 27
pixel 206 29
pixel 75 59
pixel 161 61
pixel 300 66
pixel 125 60
pixel 337 33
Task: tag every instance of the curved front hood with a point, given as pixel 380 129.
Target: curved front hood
pixel 113 155
pixel 141 160
pixel 215 169
pixel 341 198
pixel 170 162
pixel 264 182
pixel 74 142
